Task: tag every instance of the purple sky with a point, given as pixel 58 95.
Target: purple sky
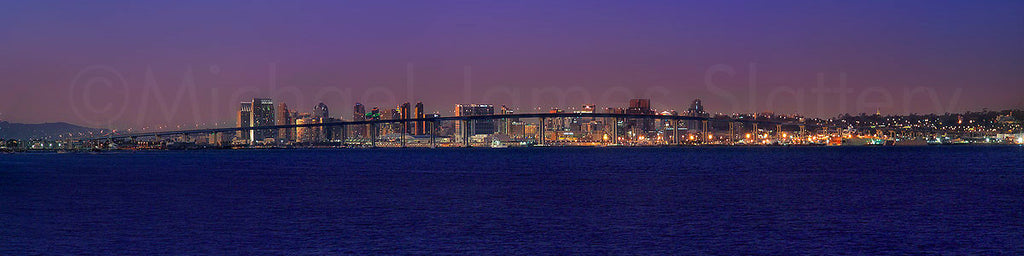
pixel 115 64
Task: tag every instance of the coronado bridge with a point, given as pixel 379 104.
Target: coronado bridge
pixel 432 124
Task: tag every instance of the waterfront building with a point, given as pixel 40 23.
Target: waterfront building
pixel 420 126
pixel 321 114
pixel 358 114
pixel 579 125
pixel 393 114
pixel 642 126
pixel 477 126
pixel 530 131
pixel 404 114
pixel 321 111
pixel 257 113
pixel 517 130
pixel 612 124
pixel 306 134
pixel 284 117
pixel 696 110
pixel 244 120
pixel 506 123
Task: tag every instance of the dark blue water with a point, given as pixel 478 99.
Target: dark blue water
pixel 945 200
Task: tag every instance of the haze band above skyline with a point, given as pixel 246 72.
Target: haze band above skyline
pixel 116 64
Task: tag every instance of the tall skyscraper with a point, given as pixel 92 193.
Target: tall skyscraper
pixel 403 114
pixel 613 125
pixel 284 117
pixel 478 126
pixel 392 114
pixel 641 107
pixel 245 120
pixel 359 114
pixel 321 111
pixel 374 114
pixel 306 134
pixel 577 124
pixel 322 114
pixel 263 115
pixel 259 113
pixel 506 123
pixel 696 110
pixel 420 126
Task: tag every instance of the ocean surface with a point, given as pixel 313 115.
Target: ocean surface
pixel 520 201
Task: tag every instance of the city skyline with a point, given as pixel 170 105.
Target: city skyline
pixel 104 65
pixel 532 127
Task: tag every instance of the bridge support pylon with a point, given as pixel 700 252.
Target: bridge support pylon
pixel 675 132
pixel 704 131
pixel 404 123
pixel 541 132
pixel 373 135
pixel 433 132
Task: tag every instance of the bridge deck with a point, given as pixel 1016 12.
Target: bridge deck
pixel 438 119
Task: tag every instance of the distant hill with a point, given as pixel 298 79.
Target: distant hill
pixel 40 131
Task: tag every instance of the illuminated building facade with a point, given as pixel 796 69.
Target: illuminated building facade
pixel 358 114
pixel 420 126
pixel 643 126
pixel 478 126
pixel 259 113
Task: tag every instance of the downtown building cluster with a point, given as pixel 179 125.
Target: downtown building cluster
pixel 413 126
pixel 261 112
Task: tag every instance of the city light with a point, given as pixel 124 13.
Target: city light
pixel 559 130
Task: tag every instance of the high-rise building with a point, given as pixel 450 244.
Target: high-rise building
pixel 390 114
pixel 476 126
pixel 506 123
pixel 284 117
pixel 260 113
pixel 374 114
pixel 517 130
pixel 309 134
pixel 321 111
pixel 577 124
pixel 696 110
pixel 420 126
pixel 614 124
pixel 403 114
pixel 359 114
pixel 263 115
pixel 245 120
pixel 642 126
pixel 322 114
pixel 558 123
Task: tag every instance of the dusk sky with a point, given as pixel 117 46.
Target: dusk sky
pixel 120 64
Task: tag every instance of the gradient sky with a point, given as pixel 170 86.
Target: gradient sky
pixel 119 64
